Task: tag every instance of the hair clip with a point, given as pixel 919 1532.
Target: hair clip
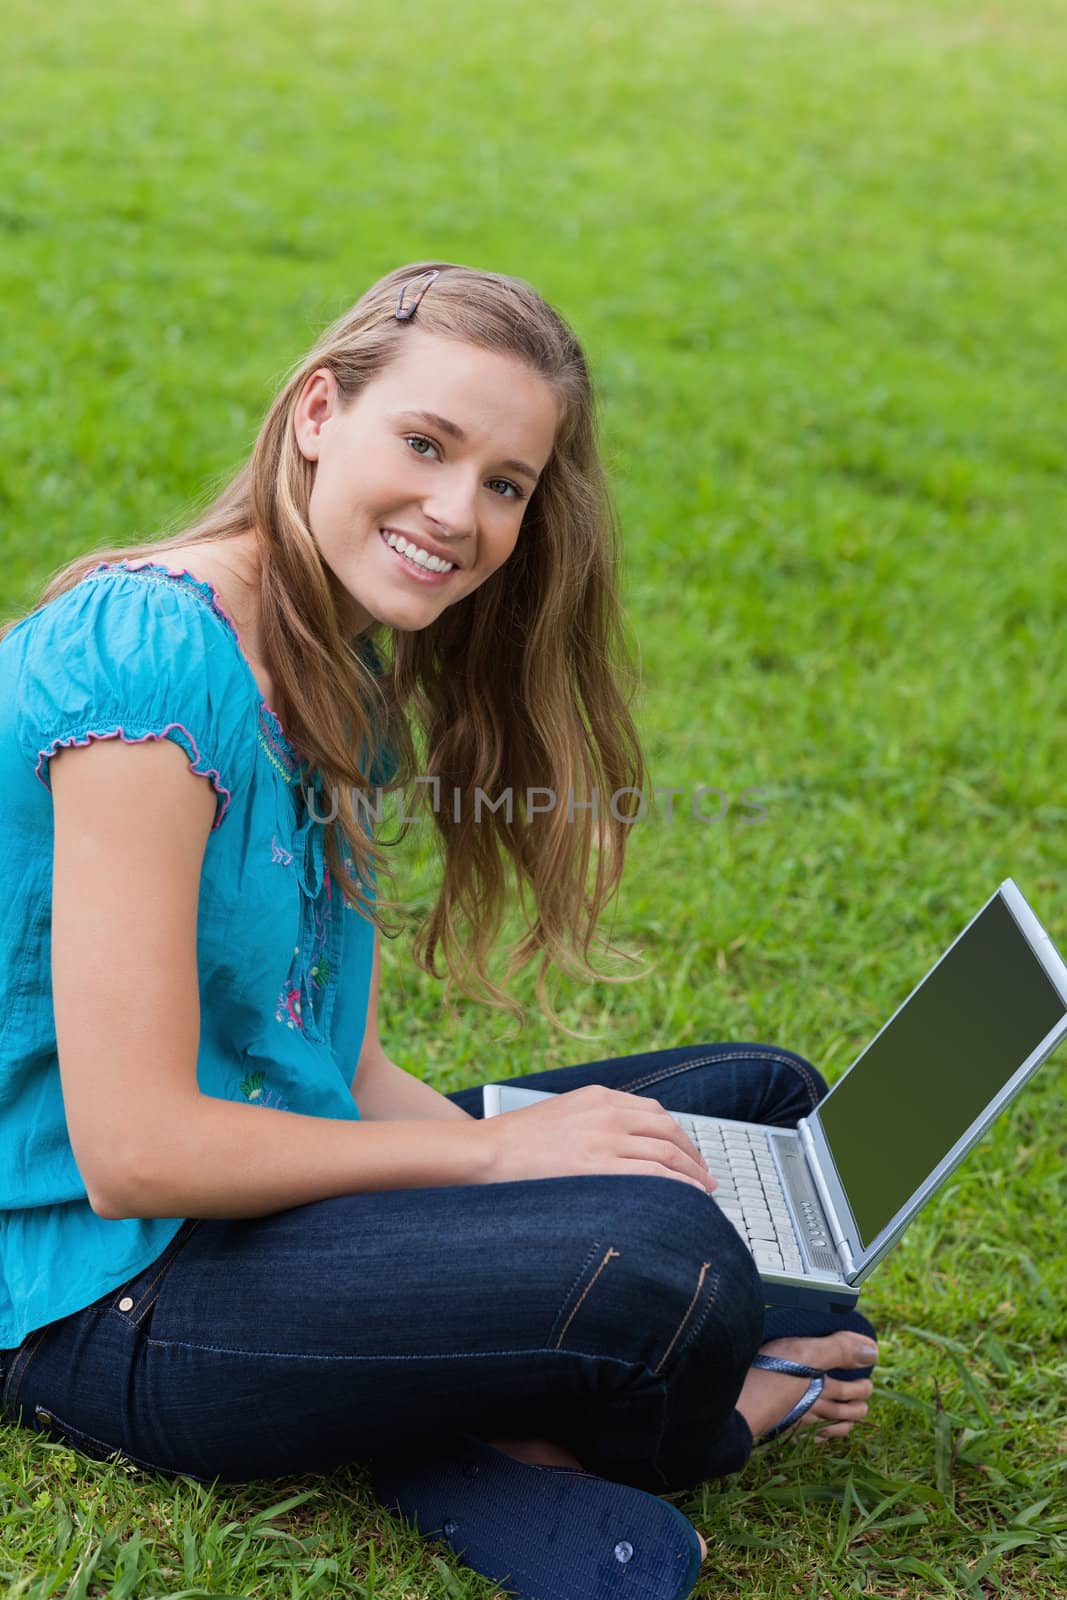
pixel 405 313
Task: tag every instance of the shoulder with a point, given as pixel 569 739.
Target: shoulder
pixel 136 621
pixel 131 653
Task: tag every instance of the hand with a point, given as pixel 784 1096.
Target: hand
pixel 592 1130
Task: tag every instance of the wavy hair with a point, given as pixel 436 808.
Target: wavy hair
pixel 521 686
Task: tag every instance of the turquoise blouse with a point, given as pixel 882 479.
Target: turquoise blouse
pixel 139 651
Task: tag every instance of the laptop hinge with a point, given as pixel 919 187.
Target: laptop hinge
pixel 837 1232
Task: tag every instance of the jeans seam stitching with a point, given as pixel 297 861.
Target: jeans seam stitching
pixel 703 1317
pixel 578 1276
pixel 385 1356
pixel 658 1368
pixel 137 1313
pixel 733 1055
pixel 607 1257
pixel 12 1390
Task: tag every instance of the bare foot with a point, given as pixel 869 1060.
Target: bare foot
pixel 768 1396
pixel 544 1453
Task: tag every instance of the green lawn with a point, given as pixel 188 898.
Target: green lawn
pixel 816 251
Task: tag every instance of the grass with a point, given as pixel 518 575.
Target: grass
pixel 816 255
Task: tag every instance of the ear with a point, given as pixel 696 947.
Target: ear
pixel 316 405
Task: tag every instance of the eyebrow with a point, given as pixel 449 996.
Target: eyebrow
pixel 456 432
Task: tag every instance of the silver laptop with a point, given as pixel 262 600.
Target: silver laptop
pixel 819 1205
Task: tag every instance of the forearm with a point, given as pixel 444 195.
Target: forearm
pixel 223 1158
pixel 384 1092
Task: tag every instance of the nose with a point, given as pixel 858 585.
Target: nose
pixel 451 508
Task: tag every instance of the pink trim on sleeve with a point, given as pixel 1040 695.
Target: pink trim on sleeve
pixel 118 733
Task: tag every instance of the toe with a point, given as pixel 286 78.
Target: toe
pixel 831 1351
pixel 840 1389
pixel 848 1411
pixel 837 1431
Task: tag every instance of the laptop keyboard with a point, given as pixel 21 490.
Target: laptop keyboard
pixel 749 1191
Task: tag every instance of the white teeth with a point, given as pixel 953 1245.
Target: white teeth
pixel 421 558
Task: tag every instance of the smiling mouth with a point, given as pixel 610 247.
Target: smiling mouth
pixel 411 564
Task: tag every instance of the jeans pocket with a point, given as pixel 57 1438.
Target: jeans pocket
pixel 59 1431
pixel 135 1300
pixel 132 1303
pixel 54 1428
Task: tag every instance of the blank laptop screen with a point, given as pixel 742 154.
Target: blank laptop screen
pixel 934 1068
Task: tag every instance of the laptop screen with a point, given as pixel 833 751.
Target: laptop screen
pixel 936 1065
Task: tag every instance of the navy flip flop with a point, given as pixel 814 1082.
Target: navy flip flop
pixel 782 1323
pixel 544 1533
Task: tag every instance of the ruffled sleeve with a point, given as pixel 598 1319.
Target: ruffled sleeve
pixel 131 656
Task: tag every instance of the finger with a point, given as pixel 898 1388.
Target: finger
pixel 655 1169
pixel 658 1123
pixel 668 1154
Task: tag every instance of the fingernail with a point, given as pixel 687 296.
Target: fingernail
pixel 868 1352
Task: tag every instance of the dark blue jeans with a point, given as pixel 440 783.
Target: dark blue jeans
pixel 617 1315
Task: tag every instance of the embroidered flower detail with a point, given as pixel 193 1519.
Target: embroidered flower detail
pixel 279 855
pixel 319 965
pixel 254 1092
pixel 307 992
pixel 288 1010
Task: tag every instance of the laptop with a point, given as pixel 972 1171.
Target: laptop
pixel 821 1204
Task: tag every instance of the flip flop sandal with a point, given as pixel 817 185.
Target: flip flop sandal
pixel 545 1533
pixel 807 1399
pixel 812 1325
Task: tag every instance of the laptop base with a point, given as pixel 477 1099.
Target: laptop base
pixel 802 1297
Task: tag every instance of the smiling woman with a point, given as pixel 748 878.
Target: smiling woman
pixel 211 1259
pixel 314 551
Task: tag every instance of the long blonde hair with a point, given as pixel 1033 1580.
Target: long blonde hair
pixel 522 685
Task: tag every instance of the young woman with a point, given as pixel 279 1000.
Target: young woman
pixel 238 1241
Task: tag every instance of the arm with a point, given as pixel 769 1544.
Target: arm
pixel 382 1090
pixel 131 826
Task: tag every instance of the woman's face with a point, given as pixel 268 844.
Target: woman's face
pixel 382 470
